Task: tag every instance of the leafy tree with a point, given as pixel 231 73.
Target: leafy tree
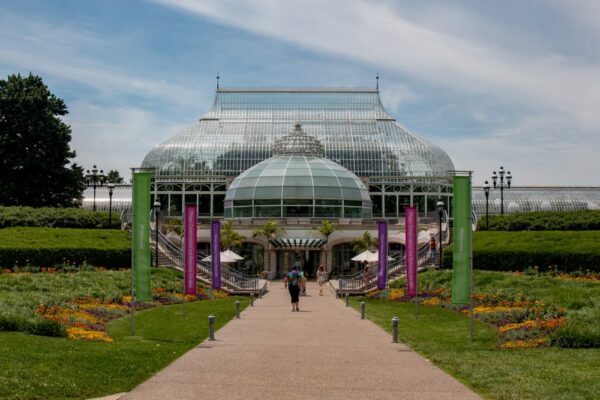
pixel 365 242
pixel 34 147
pixel 113 176
pixel 268 230
pixel 229 237
pixel 326 229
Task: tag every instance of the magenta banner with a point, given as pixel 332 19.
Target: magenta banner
pixel 191 249
pixel 410 225
pixel 383 254
pixel 215 245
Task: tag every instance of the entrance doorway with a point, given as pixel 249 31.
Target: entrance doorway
pixel 305 260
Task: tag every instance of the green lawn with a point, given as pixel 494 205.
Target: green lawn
pixel 46 247
pixel 21 294
pixel 572 251
pixel 442 336
pixel 38 367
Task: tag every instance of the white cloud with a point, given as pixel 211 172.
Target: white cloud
pixel 558 93
pixel 116 137
pixel 60 51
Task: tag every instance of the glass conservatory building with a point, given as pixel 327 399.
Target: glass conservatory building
pixel 397 167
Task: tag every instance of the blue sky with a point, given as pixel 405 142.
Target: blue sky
pixel 508 83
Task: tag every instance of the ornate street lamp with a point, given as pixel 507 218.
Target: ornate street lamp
pixel 501 184
pixel 156 214
pixel 486 191
pixel 111 187
pixel 94 179
pixel 440 207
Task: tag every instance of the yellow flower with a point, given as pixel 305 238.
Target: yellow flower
pixel 86 334
pixel 434 301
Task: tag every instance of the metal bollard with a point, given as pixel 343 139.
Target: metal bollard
pixel 237 309
pixel 395 330
pixel 347 299
pixel 211 327
pixel 252 299
pixel 362 310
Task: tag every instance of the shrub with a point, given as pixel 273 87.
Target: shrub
pixel 577 335
pixel 519 251
pixel 543 221
pixel 46 247
pixel 56 218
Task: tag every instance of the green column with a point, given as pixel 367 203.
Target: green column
pixel 462 254
pixel 141 235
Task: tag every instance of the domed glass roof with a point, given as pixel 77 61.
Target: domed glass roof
pixel 297 177
pixel 294 185
pixel 297 182
pixel 352 125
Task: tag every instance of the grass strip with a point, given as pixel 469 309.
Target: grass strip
pixel 442 336
pixel 38 367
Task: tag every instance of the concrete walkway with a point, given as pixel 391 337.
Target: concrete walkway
pixel 325 351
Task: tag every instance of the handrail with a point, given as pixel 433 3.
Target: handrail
pixel 230 278
pixel 358 283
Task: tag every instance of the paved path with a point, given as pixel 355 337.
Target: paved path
pixel 325 351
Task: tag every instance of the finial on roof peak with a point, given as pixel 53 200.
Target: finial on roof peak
pixel 218 77
pixel 377 80
pixel 298 142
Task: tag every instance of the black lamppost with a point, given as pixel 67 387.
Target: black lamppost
pixel 111 187
pixel 486 191
pixel 156 213
pixel 501 185
pixel 94 179
pixel 440 207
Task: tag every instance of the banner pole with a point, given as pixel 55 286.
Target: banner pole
pixel 185 238
pixel 471 288
pixel 132 292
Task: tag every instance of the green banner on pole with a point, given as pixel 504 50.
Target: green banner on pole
pixel 461 262
pixel 141 235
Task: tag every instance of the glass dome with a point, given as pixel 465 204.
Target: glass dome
pixel 297 182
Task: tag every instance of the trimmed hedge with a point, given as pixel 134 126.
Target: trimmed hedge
pixel 47 247
pixel 543 221
pixel 567 251
pixel 56 218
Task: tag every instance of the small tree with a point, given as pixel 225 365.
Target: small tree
pixel 113 176
pixel 326 229
pixel 363 243
pixel 268 230
pixel 229 237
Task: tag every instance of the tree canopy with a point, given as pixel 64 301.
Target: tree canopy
pixel 113 176
pixel 34 147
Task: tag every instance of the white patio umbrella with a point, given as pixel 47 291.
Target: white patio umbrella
pixel 377 257
pixel 224 259
pixel 424 236
pixel 232 254
pixel 367 256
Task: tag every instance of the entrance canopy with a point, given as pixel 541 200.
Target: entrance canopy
pixel 297 243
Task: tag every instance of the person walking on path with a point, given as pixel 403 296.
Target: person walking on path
pixel 321 279
pixel 366 274
pixel 292 283
pixel 432 249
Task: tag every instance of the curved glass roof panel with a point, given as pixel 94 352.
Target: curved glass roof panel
pixel 352 126
pixel 310 177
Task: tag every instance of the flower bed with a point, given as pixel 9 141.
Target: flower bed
pixel 86 318
pixel 521 322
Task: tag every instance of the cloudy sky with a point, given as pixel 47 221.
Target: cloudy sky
pixel 507 83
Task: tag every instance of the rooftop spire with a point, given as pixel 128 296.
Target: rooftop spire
pixel 218 77
pixel 377 81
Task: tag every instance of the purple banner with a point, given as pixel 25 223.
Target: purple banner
pixel 410 225
pixel 191 249
pixel 215 245
pixel 383 255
